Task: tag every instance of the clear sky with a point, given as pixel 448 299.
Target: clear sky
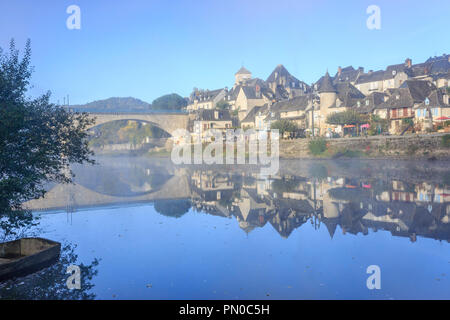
pixel 145 49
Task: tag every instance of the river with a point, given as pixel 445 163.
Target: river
pixel 142 228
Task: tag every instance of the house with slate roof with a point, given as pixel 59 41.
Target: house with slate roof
pixel 205 99
pixel 205 120
pixel 333 98
pixel 347 74
pixel 281 80
pixel 405 102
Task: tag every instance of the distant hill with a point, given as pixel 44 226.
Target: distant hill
pixel 115 105
pixel 171 102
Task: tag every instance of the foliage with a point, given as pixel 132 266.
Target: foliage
pixel 318 171
pixel 172 208
pixel 223 105
pixel 125 131
pixel 171 101
pixel 114 104
pixel 284 125
pixel 446 141
pixel 317 146
pixel 283 185
pixel 378 125
pixel 347 153
pixel 38 140
pixel 348 117
pixel 50 283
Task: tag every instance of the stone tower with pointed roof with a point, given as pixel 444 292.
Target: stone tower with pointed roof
pixel 242 76
pixel 327 94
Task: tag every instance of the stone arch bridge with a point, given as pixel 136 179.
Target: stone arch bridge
pixel 168 122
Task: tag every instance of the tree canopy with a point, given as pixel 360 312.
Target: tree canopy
pixel 350 117
pixel 223 105
pixel 38 140
pixel 284 125
pixel 169 102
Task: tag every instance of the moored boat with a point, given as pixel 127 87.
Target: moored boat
pixel 27 255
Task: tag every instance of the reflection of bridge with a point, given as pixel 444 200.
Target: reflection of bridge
pixel 168 122
pixel 63 196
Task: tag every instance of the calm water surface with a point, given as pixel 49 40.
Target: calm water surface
pixel 144 229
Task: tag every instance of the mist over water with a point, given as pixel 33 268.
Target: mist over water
pixel 162 231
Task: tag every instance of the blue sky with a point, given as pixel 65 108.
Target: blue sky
pixel 146 49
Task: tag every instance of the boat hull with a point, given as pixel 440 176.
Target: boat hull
pixel 27 255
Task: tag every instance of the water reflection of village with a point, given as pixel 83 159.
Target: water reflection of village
pixel 355 205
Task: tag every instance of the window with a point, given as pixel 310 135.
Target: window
pixel 435 111
pixel 419 112
pixel 405 112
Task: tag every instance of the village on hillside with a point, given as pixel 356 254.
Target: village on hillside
pixel 403 98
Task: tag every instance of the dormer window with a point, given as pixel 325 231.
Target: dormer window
pixel 367 102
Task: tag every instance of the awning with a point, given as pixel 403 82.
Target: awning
pixel 442 118
pixel 349 126
pixel 365 126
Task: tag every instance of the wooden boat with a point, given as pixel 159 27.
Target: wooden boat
pixel 27 255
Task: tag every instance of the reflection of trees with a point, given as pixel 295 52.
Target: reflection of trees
pixel 348 194
pixel 318 171
pixel 172 208
pixel 50 283
pixel 284 185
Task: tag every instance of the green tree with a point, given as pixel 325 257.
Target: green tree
pixel 223 105
pixel 38 141
pixel 169 102
pixel 378 125
pixel 348 117
pixel 50 283
pixel 284 125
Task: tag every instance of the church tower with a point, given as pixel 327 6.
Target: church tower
pixel 242 76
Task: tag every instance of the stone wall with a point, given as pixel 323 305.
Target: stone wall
pixel 415 146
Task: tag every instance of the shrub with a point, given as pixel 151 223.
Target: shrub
pixel 412 149
pixel 446 141
pixel 317 146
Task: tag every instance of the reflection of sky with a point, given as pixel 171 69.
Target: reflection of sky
pixel 199 256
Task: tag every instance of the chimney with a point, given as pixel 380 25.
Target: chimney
pixel 370 71
pixel 339 70
pixel 408 63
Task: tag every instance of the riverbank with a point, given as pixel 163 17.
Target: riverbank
pixel 411 147
pixel 427 147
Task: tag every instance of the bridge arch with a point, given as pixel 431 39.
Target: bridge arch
pixel 169 122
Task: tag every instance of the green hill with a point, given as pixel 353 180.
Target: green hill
pixel 170 102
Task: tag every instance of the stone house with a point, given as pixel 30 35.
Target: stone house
pixel 280 80
pixel 333 98
pixel 205 99
pixel 347 74
pixel 206 119
pixel 435 107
